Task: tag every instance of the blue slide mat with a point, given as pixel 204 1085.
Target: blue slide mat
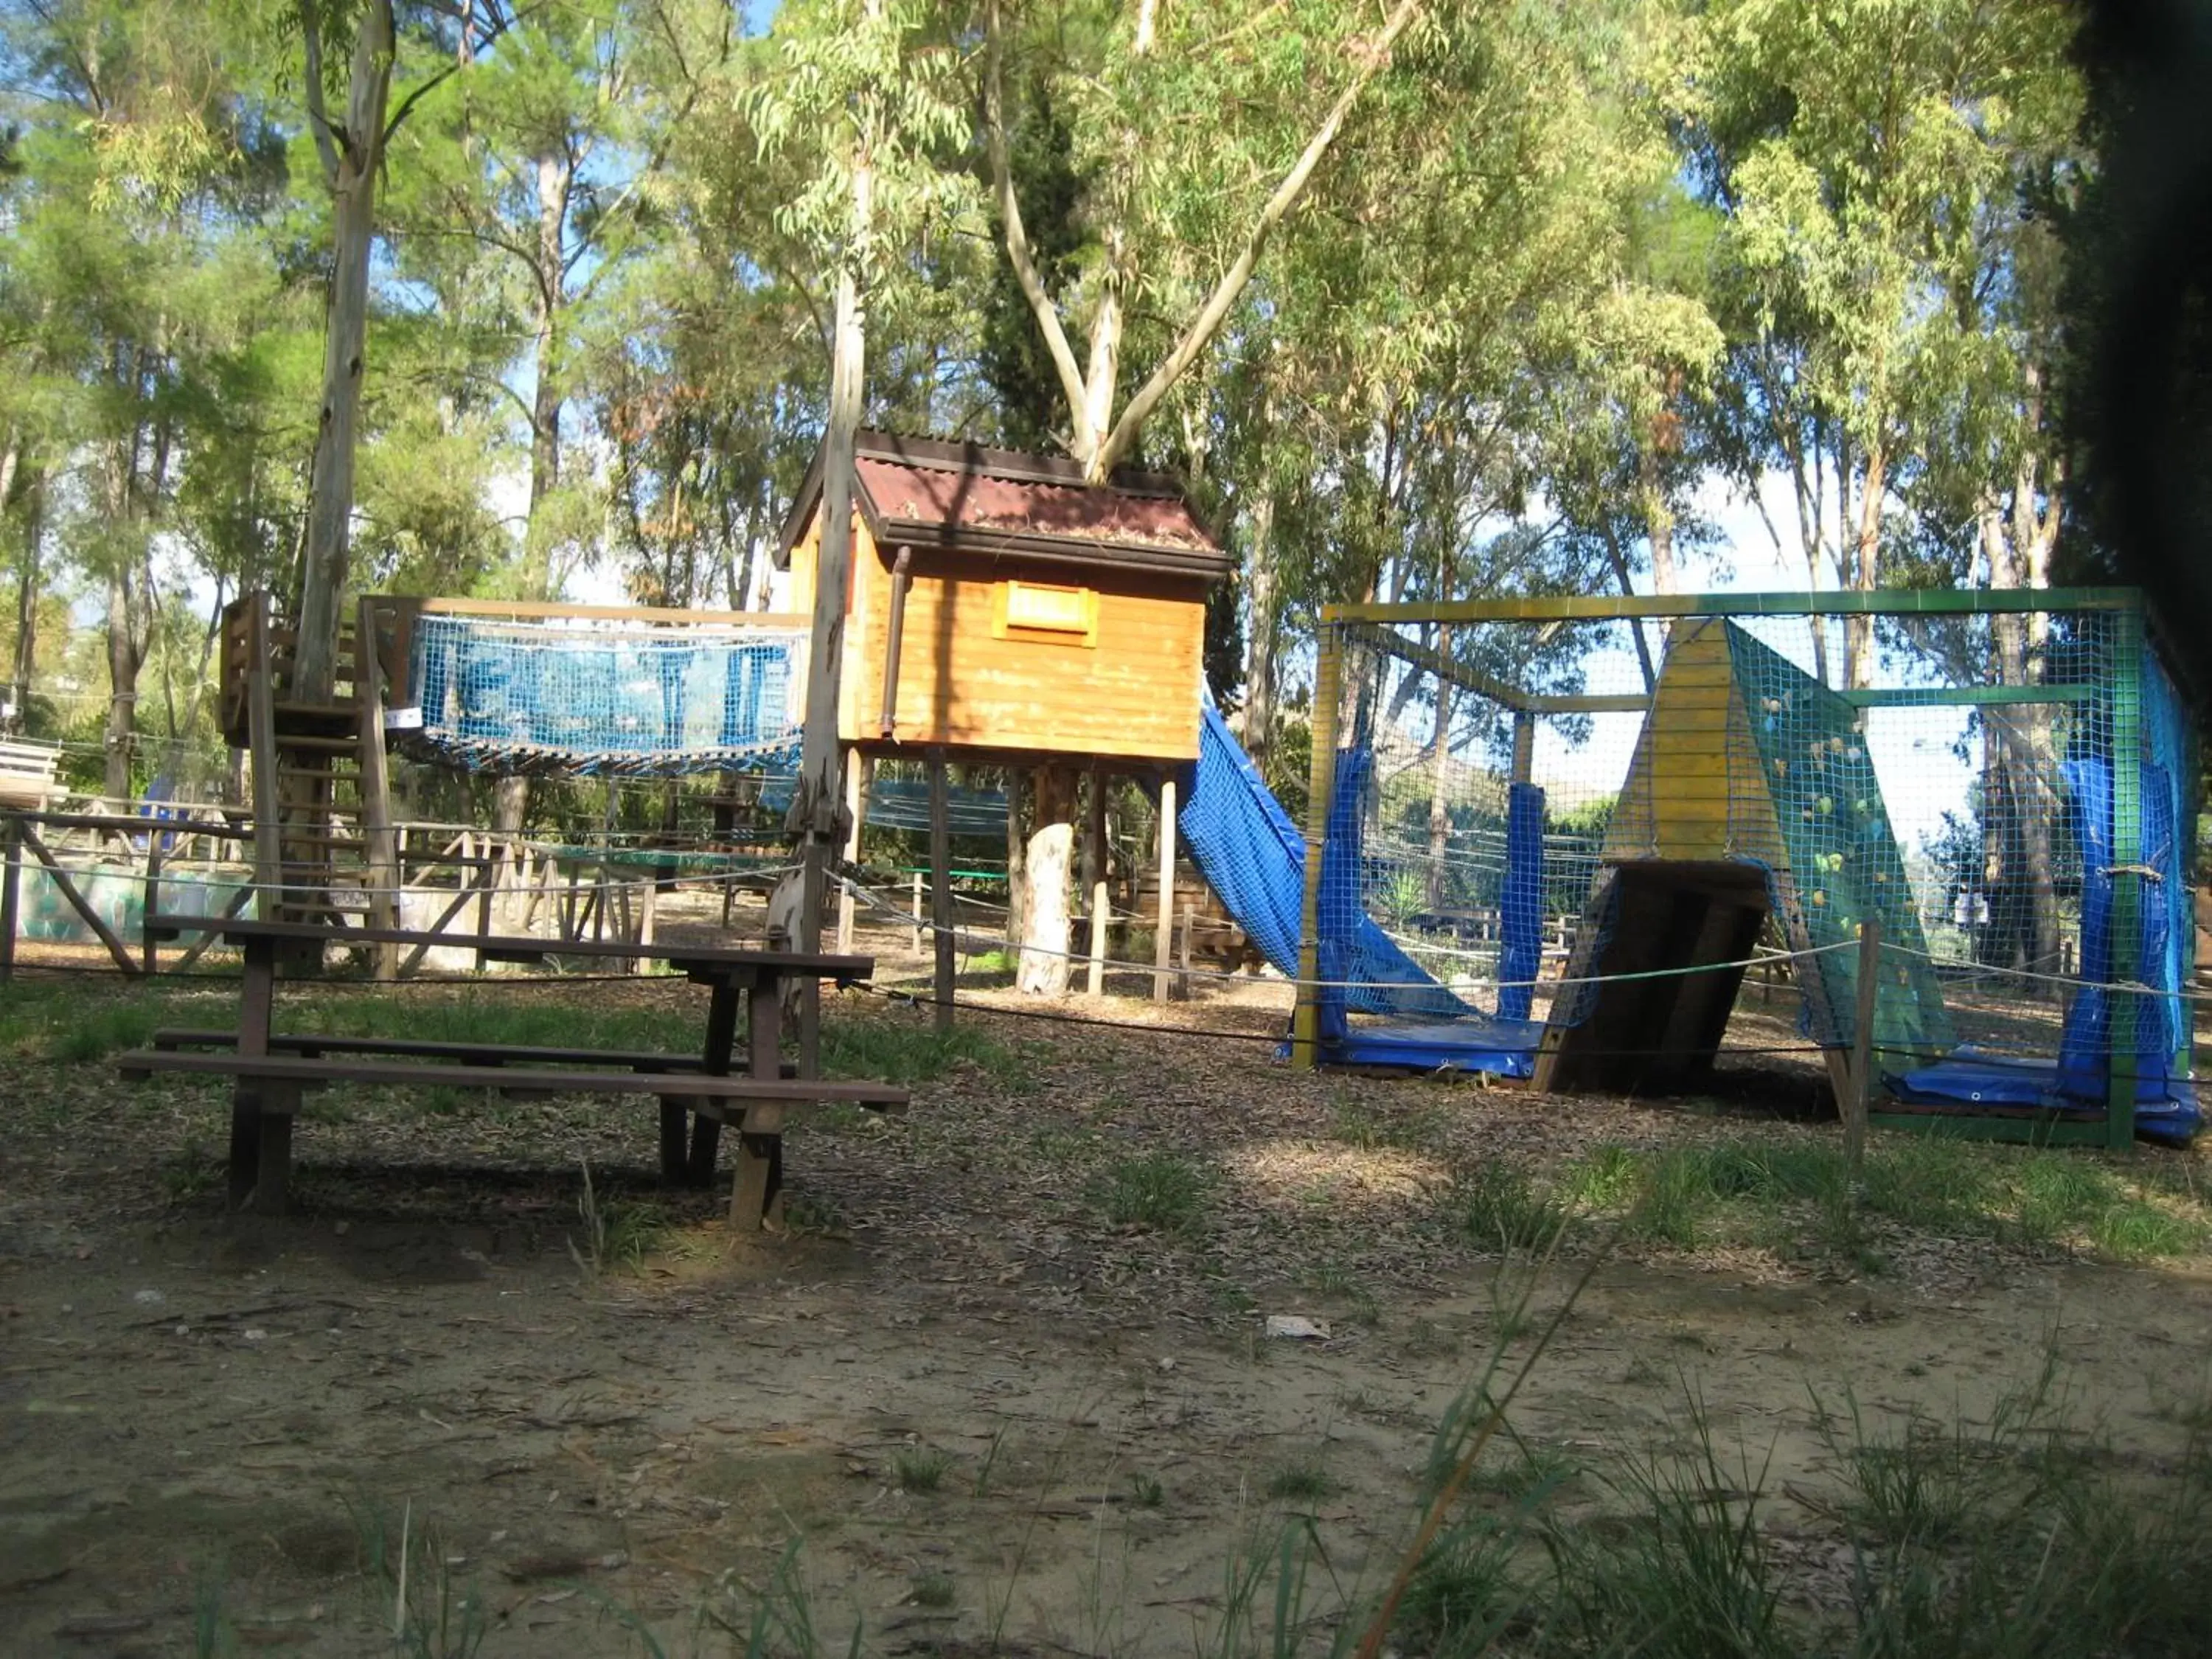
pixel 1254 858
pixel 2166 1108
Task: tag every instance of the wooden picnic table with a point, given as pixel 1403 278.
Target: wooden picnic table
pixel 696 1094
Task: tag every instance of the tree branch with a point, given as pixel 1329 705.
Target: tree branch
pixel 1017 242
pixel 318 120
pixel 1208 322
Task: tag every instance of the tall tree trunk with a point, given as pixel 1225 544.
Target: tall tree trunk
pixel 1440 776
pixel 2022 871
pixel 817 805
pixel 511 800
pixel 125 655
pixel 350 167
pixel 1617 556
pixel 1017 855
pixel 553 187
pixel 1658 516
pixel 1046 928
pixel 1260 645
pixel 1865 559
pixel 24 669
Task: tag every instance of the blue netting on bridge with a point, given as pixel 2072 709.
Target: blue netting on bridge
pixel 567 695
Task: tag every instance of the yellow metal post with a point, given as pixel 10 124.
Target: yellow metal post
pixel 1328 673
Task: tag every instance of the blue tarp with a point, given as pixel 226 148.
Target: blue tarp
pixel 1254 857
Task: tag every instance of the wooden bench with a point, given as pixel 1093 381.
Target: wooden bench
pixel 261 1141
pixel 312 1046
pixel 26 774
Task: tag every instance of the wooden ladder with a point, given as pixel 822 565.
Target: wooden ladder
pixel 325 848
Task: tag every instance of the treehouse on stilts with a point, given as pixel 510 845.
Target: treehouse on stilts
pixel 1003 613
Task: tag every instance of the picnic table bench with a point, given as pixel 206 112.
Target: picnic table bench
pixel 698 1094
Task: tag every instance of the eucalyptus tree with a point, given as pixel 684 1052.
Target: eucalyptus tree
pixel 867 93
pixel 1197 132
pixel 143 167
pixel 1859 152
pixel 345 58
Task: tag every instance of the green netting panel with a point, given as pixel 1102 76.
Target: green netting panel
pixel 1812 812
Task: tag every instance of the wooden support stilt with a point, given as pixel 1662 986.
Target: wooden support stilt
pixel 940 888
pixel 1095 865
pixel 857 768
pixel 1163 927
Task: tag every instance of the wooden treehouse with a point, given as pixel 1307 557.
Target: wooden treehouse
pixel 1005 612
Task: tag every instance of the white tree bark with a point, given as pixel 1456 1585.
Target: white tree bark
pixel 1048 934
pixel 352 155
pixel 1099 446
pixel 817 806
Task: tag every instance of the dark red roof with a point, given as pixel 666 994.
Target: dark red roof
pixel 927 493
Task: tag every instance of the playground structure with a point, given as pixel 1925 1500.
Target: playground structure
pixel 1551 839
pixel 2002 788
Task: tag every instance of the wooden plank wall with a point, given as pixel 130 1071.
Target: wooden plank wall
pixel 1134 695
pixel 1694 790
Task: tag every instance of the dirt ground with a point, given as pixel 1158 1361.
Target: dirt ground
pixel 994 1416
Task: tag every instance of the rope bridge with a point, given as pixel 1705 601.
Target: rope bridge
pixel 575 695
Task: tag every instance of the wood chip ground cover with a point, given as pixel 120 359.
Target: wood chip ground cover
pixel 219 1419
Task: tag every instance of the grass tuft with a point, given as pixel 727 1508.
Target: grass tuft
pixel 1162 1191
pixel 1499 1206
pixel 1300 1481
pixel 920 1468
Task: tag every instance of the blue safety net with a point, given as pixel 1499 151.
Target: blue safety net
pixel 1521 904
pixel 2079 1080
pixel 502 695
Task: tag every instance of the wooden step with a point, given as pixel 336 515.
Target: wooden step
pixel 310 740
pixel 306 720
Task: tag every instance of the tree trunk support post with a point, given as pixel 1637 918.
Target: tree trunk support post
pixel 1163 927
pixel 940 889
pixel 1094 863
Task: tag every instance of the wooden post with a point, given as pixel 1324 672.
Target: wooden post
pixel 940 886
pixel 918 914
pixel 151 907
pixel 261 731
pixel 376 789
pixel 1305 1020
pixel 1094 846
pixel 11 880
pixel 1182 952
pixel 1863 1050
pixel 856 770
pixel 1163 928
